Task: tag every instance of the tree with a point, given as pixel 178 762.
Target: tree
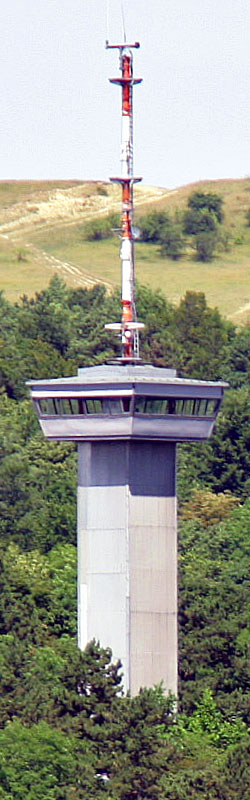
pixel 237 365
pixel 203 336
pixel 235 780
pixel 223 463
pixel 38 762
pixel 228 453
pixel 172 241
pixel 142 752
pixel 202 220
pixel 213 612
pixel 204 212
pixel 152 225
pixel 208 508
pixel 98 229
pixel 48 316
pixel 205 245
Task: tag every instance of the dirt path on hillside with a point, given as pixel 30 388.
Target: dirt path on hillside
pixel 66 208
pixel 80 276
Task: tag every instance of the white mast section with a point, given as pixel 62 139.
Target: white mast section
pixel 129 326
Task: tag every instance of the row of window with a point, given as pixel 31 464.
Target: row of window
pixel 115 406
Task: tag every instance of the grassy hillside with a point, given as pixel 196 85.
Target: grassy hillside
pixel 42 232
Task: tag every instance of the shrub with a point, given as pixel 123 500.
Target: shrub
pixel 205 245
pixel 172 241
pixel 151 226
pixel 98 229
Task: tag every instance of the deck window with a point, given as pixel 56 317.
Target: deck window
pixel 117 406
pixel 84 406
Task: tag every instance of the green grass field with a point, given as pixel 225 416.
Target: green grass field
pixel 38 237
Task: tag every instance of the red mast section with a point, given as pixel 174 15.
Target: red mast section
pixel 129 326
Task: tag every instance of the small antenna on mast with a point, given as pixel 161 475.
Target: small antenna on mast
pixel 107 21
pixel 123 22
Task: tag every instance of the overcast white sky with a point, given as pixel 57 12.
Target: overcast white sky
pixel 60 118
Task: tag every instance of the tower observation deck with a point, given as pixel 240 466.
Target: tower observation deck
pixel 127 418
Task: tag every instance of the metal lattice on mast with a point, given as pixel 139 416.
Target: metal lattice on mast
pixel 128 327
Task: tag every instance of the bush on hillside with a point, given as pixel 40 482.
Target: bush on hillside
pixel 172 241
pixel 152 225
pixel 205 245
pixel 98 229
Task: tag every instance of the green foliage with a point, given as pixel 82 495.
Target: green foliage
pixel 43 588
pixel 36 763
pixel 172 241
pixel 197 222
pixel 201 220
pixel 37 481
pixel 208 723
pixel 117 746
pixel 102 228
pixel 222 463
pixel 203 336
pixel 159 228
pixel 206 245
pixel 237 366
pixel 205 211
pixel 142 755
pixel 48 317
pixel 214 610
pixel 228 453
pixel 152 225
pixel 208 508
pixel 235 782
pixel 158 342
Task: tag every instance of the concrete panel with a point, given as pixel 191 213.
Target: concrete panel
pixel 152 469
pixel 152 669
pixel 152 512
pixel 82 628
pixel 92 427
pixel 107 551
pixel 103 464
pixel 153 646
pixel 110 588
pixel 153 590
pixel 107 613
pixel 152 547
pixel 106 507
pixel 172 428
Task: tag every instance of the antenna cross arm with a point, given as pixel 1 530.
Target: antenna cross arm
pixel 120 326
pixel 121 46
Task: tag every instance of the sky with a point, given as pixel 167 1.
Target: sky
pixel 60 116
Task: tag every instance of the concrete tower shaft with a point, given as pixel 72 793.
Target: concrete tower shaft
pixel 126 420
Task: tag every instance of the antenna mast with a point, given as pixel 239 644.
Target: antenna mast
pixel 129 327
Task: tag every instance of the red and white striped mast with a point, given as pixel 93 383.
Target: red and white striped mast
pixel 129 326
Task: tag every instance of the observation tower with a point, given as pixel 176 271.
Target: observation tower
pixel 127 418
